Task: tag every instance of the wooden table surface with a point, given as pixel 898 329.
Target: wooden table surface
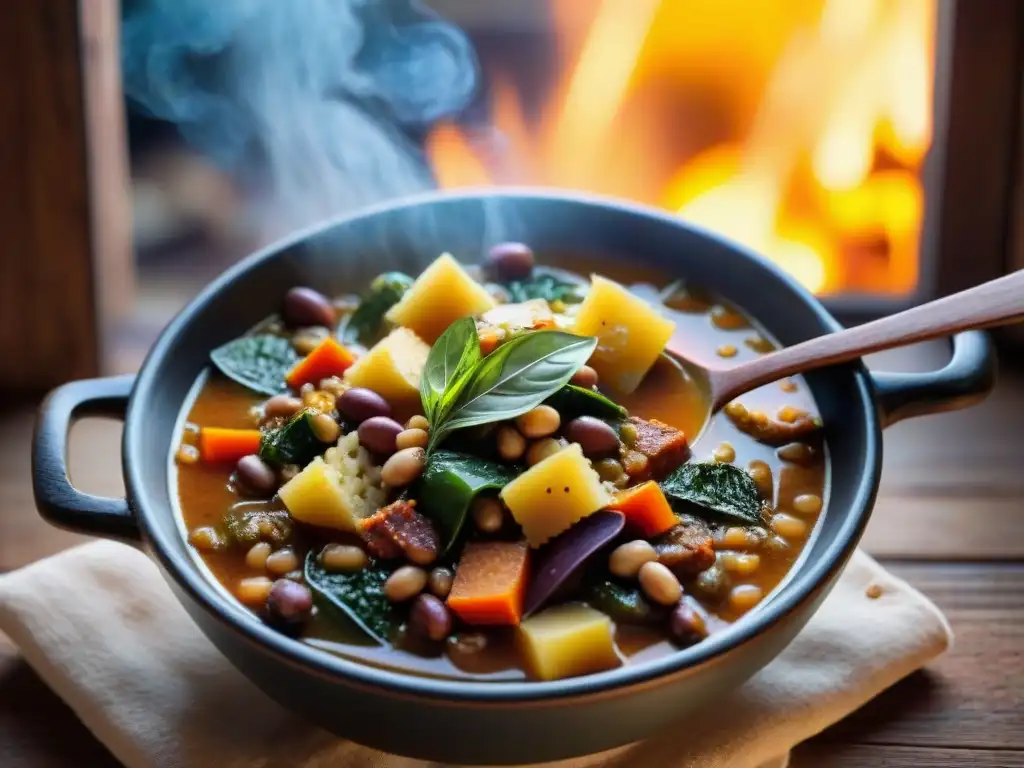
pixel 949 519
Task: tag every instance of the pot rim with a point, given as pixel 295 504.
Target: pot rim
pixel 811 576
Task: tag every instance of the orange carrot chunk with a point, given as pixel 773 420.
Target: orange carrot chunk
pixel 646 509
pixel 328 359
pixel 488 341
pixel 490 582
pixel 217 444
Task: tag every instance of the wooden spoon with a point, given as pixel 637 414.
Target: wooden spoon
pixel 997 302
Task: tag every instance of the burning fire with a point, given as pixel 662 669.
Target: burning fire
pixel 798 129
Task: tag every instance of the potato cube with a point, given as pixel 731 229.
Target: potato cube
pixel 566 641
pixel 336 491
pixel 555 493
pixel 392 368
pixel 630 333
pixel 439 297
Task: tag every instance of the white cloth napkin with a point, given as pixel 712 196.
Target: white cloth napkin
pixel 102 628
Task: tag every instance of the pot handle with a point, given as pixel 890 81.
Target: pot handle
pixel 964 381
pixel 57 499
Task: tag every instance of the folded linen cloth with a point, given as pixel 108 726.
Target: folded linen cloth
pixel 101 627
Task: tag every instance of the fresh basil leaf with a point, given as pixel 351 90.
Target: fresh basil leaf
pixel 517 376
pixel 449 484
pixel 258 362
pixel 453 356
pixel 294 443
pixel 357 594
pixel 720 489
pixel 625 605
pixel 548 285
pixel 364 323
pixel 572 401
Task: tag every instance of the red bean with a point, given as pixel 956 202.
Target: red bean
pixel 289 605
pixel 255 475
pixel 595 437
pixel 359 404
pixel 304 306
pixel 379 434
pixel 688 623
pixel 429 617
pixel 510 261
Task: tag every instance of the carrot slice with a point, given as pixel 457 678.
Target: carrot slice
pixel 646 508
pixel 328 359
pixel 217 444
pixel 488 341
pixel 490 582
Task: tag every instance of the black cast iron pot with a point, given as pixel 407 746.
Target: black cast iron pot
pixel 467 722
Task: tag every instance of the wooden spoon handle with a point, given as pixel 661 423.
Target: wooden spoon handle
pixel 993 303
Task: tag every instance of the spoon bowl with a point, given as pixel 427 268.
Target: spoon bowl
pixel 997 302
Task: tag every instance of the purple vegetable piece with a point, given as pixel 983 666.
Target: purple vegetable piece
pixel 563 556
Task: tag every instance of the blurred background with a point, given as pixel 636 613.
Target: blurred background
pixel 869 147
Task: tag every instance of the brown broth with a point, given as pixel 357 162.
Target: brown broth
pixel 668 394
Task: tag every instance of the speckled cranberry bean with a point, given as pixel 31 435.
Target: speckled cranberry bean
pixel 255 476
pixel 510 261
pixel 359 404
pixel 304 306
pixel 687 623
pixel 596 438
pixel 379 434
pixel 429 618
pixel 289 605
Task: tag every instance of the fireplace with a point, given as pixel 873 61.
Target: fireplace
pixel 846 140
pixel 873 148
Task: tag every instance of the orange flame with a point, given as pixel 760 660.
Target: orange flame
pixel 796 129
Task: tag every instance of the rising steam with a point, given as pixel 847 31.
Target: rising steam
pixel 319 102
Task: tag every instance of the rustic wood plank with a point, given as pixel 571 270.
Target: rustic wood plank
pixel 872 756
pixel 974 695
pixel 37 729
pixel 47 311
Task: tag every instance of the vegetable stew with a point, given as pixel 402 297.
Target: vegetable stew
pixel 489 472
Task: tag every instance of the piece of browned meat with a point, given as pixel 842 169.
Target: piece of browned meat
pixel 399 530
pixel 687 549
pixel 657 450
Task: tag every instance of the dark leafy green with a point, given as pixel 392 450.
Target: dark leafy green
pixel 365 322
pixel 517 376
pixel 547 285
pixel 626 605
pixel 451 358
pixel 359 595
pixel 572 401
pixel 719 489
pixel 258 362
pixel 294 443
pixel 246 524
pixel 449 484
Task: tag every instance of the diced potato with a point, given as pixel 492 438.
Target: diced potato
pixel 490 582
pixel 392 367
pixel 566 641
pixel 630 333
pixel 439 297
pixel 337 490
pixel 555 493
